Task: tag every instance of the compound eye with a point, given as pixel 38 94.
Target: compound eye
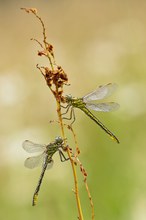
pixel 69 97
pixel 58 139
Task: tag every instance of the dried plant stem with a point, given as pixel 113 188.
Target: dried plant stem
pixel 56 78
pixel 90 198
pixel 45 42
pixel 72 164
pixel 83 172
pixel 86 186
pixel 75 140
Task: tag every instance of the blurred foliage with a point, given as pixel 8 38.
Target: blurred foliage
pixel 96 42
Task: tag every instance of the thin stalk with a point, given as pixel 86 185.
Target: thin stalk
pixel 44 37
pixel 90 198
pixel 72 164
pixel 75 140
pixel 83 171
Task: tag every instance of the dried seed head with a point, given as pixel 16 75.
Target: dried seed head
pixel 48 72
pixel 60 93
pixel 50 49
pixel 42 53
pixel 28 10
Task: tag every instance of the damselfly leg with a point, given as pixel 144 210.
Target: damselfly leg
pixel 67 107
pixel 62 156
pixel 72 114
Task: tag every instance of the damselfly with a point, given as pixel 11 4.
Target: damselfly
pixel 87 102
pixel 45 158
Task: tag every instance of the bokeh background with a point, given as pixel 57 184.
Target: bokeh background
pixel 96 42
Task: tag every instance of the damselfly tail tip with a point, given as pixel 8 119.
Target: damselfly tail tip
pixel 115 139
pixel 34 201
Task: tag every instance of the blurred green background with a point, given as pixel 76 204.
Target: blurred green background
pixel 96 42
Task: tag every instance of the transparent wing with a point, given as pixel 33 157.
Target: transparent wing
pixel 32 162
pixel 31 147
pixel 50 165
pixel 100 93
pixel 103 107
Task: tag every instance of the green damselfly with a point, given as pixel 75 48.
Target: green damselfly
pixel 45 158
pixel 88 102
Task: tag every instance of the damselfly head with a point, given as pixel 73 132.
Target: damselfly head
pixel 58 140
pixel 68 98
